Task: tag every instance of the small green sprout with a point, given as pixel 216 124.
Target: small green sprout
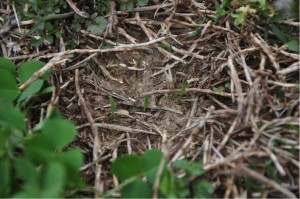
pixel 182 92
pixel 146 102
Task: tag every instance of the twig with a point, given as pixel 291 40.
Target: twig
pixel 96 147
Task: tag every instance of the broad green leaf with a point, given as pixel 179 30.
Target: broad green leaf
pixel 130 6
pixel 8 86
pixel 47 90
pixel 5 178
pixel 99 26
pixel 38 150
pixel 190 167
pixel 58 132
pixel 54 181
pixel 72 160
pixel 202 189
pixel 4 135
pixel 27 69
pixel 8 65
pixel 123 6
pixel 182 188
pixel 142 2
pixel 27 173
pixel 23 194
pixel 11 117
pixel 167 184
pixel 36 42
pixel 33 88
pixel 127 166
pixel 137 189
pixel 151 159
pixel 293 46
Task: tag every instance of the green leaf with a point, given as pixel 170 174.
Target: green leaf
pixel 202 189
pixel 220 10
pixel 73 160
pixel 27 69
pixel 47 90
pixel 38 150
pixel 182 189
pixel 106 47
pixel 293 46
pixel 5 178
pixel 137 189
pixel 36 42
pixel 127 166
pixel 33 88
pixel 278 33
pixel 27 172
pixel 142 2
pixel 99 26
pixel 8 65
pixel 54 181
pixel 130 6
pixel 190 167
pixel 8 86
pixel 151 159
pixel 58 132
pixel 11 117
pixel 4 135
pixel 239 19
pixel 218 90
pixel 123 6
pixel 167 184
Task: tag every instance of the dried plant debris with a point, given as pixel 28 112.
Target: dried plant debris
pixel 216 81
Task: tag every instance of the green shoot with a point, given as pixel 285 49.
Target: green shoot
pixel 218 90
pixel 182 92
pixel 166 47
pixel 146 102
pixel 112 106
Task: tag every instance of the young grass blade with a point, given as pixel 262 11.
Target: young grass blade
pixel 146 102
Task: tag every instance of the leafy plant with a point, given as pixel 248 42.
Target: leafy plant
pixel 97 25
pixel 129 4
pixel 33 162
pixel 138 175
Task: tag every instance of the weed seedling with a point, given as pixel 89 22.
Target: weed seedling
pixel 146 102
pixel 182 92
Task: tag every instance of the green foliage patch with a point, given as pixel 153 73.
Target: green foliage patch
pixel 138 175
pixel 34 162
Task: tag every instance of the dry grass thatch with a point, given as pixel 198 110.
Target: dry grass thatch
pixel 240 111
